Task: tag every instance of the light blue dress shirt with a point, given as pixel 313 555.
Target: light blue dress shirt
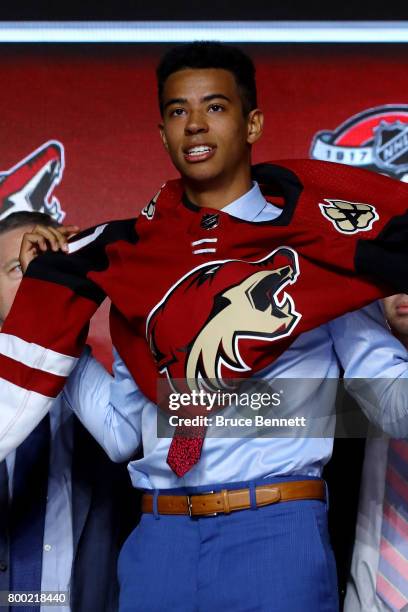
pixel 58 538
pixel 120 417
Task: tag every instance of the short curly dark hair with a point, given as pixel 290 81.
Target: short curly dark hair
pixel 209 54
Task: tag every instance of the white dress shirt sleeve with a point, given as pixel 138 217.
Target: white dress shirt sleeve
pixel 109 407
pixel 375 367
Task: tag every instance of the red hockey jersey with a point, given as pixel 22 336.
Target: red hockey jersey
pixel 197 293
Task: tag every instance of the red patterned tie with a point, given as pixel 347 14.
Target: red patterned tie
pixel 185 448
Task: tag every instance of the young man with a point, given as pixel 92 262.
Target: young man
pixel 64 507
pixel 211 283
pixel 379 578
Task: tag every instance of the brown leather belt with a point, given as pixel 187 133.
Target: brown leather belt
pixel 226 501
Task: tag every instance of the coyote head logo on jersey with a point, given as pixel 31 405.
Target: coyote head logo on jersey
pixel 198 330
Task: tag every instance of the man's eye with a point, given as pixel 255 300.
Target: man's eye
pixel 16 271
pixel 216 108
pixel 177 112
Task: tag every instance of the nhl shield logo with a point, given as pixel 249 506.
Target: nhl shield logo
pixel 375 139
pixel 349 217
pixel 391 146
pixel 209 221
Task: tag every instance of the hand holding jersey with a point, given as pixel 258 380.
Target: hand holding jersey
pixel 41 239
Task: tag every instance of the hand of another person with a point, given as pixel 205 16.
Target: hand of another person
pixel 42 239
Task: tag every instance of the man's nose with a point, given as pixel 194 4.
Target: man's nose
pixel 196 123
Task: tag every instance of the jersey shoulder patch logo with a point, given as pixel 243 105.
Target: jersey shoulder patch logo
pixel 349 217
pixel 150 208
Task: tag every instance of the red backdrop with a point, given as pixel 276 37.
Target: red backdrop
pixel 100 103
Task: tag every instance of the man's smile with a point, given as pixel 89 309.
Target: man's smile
pixel 199 153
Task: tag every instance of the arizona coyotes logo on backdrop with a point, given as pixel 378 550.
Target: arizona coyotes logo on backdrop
pixel 376 139
pixel 349 217
pixel 203 327
pixel 28 185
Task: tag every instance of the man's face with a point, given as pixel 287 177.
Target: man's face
pixel 396 312
pixel 204 129
pixel 10 271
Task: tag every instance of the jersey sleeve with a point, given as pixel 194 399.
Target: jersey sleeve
pixel 355 222
pixel 45 332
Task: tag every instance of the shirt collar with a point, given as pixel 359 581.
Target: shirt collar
pixel 248 206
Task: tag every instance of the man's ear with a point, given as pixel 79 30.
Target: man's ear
pixel 163 136
pixel 255 125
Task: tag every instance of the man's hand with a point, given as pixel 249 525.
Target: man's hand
pixel 42 239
